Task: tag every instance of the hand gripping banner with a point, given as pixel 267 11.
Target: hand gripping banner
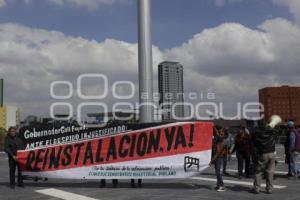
pixel 174 150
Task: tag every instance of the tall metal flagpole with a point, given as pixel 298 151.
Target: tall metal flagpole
pixel 145 61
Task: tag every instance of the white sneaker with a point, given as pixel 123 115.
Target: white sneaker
pixel 221 189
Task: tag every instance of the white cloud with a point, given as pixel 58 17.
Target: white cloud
pixel 88 4
pixel 293 6
pixel 221 3
pixel 2 3
pixel 236 61
pixel 233 49
pixel 233 60
pixel 30 59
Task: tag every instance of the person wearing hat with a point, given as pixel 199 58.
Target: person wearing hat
pixel 294 149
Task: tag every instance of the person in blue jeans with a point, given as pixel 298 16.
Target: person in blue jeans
pixel 217 158
pixel 294 150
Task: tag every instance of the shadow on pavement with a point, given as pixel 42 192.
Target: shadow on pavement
pixel 238 188
pixel 40 185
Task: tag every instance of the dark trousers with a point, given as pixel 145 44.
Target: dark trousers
pixel 241 159
pixel 290 169
pixel 139 183
pixel 225 159
pixel 288 161
pixel 114 182
pixel 218 166
pixel 12 169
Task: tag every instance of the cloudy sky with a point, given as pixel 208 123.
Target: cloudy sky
pixel 231 47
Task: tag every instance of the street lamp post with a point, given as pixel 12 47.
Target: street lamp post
pixel 145 61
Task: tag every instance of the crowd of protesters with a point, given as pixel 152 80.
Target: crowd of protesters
pixel 13 143
pixel 255 153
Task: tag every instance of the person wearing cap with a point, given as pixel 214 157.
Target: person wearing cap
pixel 294 149
pixel 264 140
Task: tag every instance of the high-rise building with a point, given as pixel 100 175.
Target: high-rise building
pixel 9 116
pixel 283 101
pixel 170 81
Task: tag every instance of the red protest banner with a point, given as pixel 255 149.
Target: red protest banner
pixel 147 143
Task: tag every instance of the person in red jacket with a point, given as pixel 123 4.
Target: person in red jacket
pixel 242 147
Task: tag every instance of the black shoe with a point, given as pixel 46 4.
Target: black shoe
pixel 226 173
pixel 254 191
pixel 133 186
pixel 240 177
pixel 269 192
pixel 21 185
pixel 12 186
pixel 216 188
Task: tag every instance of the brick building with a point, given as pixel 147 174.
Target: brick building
pixel 283 101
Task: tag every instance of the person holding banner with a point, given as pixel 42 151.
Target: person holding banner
pixel 11 145
pixel 114 182
pixel 218 153
pixel 139 183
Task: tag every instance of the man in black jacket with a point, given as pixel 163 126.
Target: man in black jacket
pixel 11 146
pixel 264 141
